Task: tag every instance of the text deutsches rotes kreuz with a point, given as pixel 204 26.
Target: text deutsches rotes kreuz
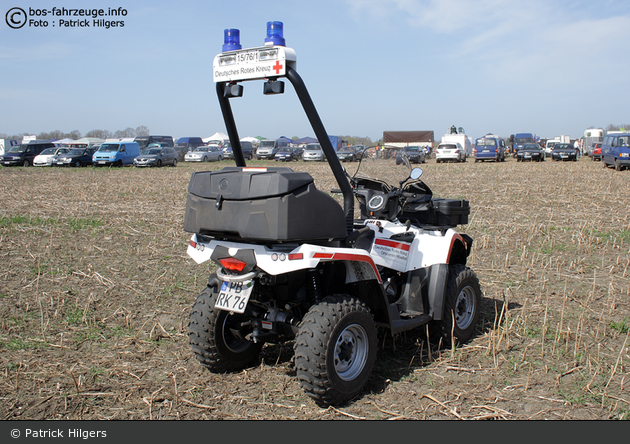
pixel 244 71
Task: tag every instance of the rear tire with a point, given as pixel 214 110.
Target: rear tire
pixel 213 338
pixel 335 349
pixel 462 304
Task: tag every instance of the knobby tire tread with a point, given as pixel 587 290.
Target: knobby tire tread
pixel 312 346
pixel 205 338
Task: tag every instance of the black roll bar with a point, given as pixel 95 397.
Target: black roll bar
pixel 318 128
pixel 230 125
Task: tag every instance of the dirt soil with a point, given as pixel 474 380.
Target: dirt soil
pixel 96 289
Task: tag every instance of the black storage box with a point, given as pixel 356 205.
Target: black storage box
pixel 261 204
pixel 437 213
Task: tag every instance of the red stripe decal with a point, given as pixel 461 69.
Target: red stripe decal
pixel 393 244
pixel 322 256
pixel 455 238
pixel 350 257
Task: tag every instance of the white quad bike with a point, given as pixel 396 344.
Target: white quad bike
pixel 294 265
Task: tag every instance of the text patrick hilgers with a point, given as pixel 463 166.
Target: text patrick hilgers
pixel 67 433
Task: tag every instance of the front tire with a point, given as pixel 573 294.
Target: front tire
pixel 462 304
pixel 335 349
pixel 213 336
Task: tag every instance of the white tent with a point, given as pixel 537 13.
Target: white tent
pixel 253 140
pixel 216 136
pixel 90 140
pixel 63 141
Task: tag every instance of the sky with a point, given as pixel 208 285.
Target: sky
pixel 489 66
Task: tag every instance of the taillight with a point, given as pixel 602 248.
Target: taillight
pixel 231 264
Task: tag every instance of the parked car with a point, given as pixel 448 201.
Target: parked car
pixel 287 154
pixel 360 149
pixel 145 141
pixel 77 157
pixel 268 148
pixel 155 155
pixel 47 157
pixel 414 154
pixel 248 150
pixel 450 152
pixel 596 153
pixel 24 153
pixel 616 150
pixel 185 145
pixel 116 154
pixel 313 152
pixel 530 151
pixel 347 154
pixel 205 153
pixel 564 151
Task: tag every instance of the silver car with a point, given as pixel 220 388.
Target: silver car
pixel 313 152
pixel 156 156
pixel 206 153
pixel 47 157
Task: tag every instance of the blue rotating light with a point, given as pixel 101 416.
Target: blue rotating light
pixel 231 40
pixel 274 34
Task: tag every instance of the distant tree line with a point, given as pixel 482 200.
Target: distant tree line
pixel 617 127
pixel 75 135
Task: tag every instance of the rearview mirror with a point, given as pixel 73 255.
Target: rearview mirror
pixel 415 173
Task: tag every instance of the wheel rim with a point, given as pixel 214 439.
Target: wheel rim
pixel 232 342
pixel 465 307
pixel 351 352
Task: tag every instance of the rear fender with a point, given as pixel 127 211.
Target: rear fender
pixel 280 259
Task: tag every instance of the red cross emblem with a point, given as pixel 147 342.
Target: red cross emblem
pixel 277 67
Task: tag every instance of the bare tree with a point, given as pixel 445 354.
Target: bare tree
pixel 142 130
pixel 99 134
pixel 126 133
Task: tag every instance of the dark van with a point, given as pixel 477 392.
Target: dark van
pixel 144 141
pixel 616 150
pixel 24 153
pixel 186 144
pixel 246 147
pixel 489 147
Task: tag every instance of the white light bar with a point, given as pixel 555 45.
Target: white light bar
pixel 253 63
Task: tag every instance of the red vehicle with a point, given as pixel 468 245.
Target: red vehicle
pixel 597 151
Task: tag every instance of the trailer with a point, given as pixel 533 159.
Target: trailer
pixel 407 138
pixel 6 144
pixel 590 138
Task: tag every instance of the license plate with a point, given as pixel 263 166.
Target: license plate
pixel 234 296
pixel 486 151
